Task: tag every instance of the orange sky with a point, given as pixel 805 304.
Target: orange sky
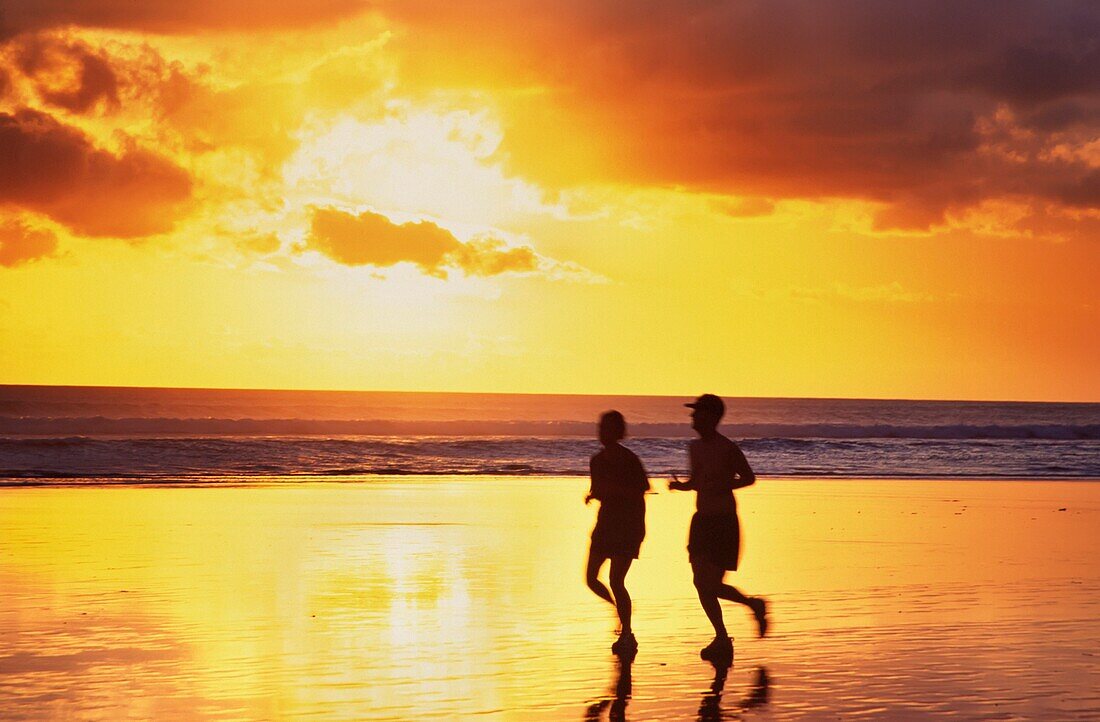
pixel 754 198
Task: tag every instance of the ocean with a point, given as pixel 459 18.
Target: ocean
pixel 54 434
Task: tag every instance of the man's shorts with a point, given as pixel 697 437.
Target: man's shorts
pixel 715 538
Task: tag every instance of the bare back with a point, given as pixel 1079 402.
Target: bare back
pixel 717 468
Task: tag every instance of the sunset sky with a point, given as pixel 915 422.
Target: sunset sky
pixel 778 198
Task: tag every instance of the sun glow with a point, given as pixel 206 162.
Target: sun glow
pixel 411 163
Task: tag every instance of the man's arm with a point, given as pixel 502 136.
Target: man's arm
pixel 743 473
pixel 677 485
pixel 691 484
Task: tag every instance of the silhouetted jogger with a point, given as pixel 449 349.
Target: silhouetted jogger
pixel 714 543
pixel 619 483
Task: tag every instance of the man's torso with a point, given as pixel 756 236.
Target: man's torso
pixel 712 470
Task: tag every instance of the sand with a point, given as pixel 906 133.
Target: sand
pixel 463 598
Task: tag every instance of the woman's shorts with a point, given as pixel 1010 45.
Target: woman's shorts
pixel 715 538
pixel 619 532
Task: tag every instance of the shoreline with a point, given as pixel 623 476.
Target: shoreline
pixel 216 481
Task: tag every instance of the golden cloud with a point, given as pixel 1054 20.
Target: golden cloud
pixel 373 239
pixel 20 243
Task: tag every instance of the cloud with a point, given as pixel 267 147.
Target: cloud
pixel 246 101
pixel 92 75
pixel 882 101
pixel 372 239
pixel 752 207
pixel 489 256
pixel 1083 192
pixel 171 16
pixel 54 169
pixel 20 243
pixel 261 243
pixel 68 74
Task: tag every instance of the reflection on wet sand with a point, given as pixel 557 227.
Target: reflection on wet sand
pixel 710 709
pixel 457 598
pixel 614 705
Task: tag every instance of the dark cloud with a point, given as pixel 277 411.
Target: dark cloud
pixel 54 169
pixel 876 100
pixel 1084 193
pixel 171 16
pixel 372 239
pixel 924 106
pixel 63 69
pixel 1033 75
pixel 68 73
pixel 19 243
pixel 1063 115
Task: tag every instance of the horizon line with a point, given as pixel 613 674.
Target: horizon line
pixel 535 393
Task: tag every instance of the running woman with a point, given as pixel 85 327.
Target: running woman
pixel 619 483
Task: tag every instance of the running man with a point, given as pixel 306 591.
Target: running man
pixel 714 543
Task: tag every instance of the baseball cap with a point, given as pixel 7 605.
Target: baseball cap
pixel 708 402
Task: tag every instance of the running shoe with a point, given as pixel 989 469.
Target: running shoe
pixel 720 649
pixel 625 644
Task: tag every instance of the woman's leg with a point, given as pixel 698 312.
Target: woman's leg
pixel 619 567
pixel 591 576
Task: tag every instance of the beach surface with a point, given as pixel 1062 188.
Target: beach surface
pixel 463 597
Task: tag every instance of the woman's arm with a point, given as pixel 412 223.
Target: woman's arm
pixel 641 479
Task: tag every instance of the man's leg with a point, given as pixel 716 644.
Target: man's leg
pixel 733 594
pixel 757 604
pixel 619 567
pixel 591 576
pixel 708 582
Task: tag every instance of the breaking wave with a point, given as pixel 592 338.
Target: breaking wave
pixel 103 426
pixel 211 458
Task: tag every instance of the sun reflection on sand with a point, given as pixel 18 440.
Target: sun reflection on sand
pixel 456 597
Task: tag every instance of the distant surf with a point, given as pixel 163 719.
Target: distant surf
pixel 102 426
pixel 67 433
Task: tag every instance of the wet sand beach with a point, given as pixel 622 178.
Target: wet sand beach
pixel 463 597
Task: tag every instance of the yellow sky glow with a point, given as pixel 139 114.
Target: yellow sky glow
pixel 515 236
